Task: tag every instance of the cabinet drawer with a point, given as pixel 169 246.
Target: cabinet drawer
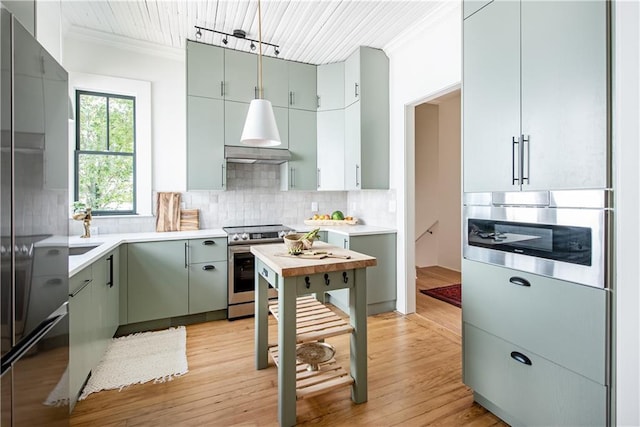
pixel 541 393
pixel 50 261
pixel 79 279
pixel 205 250
pixel 561 321
pixel 207 287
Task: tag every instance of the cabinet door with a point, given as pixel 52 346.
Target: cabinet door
pixel 207 287
pixel 240 76
pixel 331 86
pixel 352 78
pixel 352 134
pixel 381 279
pixel 491 92
pixel 80 331
pixel 205 144
pixel 275 81
pixel 302 86
pixel 99 297
pixel 157 280
pixel 539 393
pixel 282 121
pixel 205 70
pixel 302 144
pixel 235 114
pixel 564 94
pixel 330 149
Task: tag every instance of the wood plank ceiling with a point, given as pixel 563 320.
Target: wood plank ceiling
pixel 312 31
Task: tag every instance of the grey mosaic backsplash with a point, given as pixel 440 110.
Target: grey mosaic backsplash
pixel 253 196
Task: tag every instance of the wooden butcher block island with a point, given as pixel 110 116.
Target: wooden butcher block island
pixel 303 318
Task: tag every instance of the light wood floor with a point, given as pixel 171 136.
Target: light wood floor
pixel 414 379
pixel 440 312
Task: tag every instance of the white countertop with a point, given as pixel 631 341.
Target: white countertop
pixel 346 230
pixel 108 242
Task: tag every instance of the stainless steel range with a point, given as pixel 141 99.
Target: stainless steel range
pixel 242 264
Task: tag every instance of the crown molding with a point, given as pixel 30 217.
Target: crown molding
pixel 444 9
pixel 126 43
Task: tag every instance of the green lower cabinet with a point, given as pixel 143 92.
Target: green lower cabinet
pixel 525 389
pixel 381 279
pixel 81 331
pixel 207 287
pixel 157 280
pixel 176 278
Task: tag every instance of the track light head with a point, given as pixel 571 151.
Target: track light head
pixel 253 46
pixel 276 50
pixel 198 34
pixel 225 40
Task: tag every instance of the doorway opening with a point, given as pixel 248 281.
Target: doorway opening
pixel 438 206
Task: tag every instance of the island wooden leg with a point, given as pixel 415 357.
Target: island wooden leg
pixel 287 351
pixel 261 321
pixel 358 342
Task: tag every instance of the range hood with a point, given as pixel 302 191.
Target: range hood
pixel 273 156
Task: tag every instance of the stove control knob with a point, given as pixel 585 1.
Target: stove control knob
pixel 235 237
pixel 281 233
pixel 245 236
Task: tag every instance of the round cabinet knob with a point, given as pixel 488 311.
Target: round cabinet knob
pixel 235 237
pixel 245 236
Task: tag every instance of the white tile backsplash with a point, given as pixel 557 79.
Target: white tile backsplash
pixel 253 196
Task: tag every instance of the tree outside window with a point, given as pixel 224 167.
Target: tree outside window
pixel 105 152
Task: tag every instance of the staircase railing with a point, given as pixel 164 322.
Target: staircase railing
pixel 428 230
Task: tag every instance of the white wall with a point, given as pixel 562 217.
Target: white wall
pixel 449 183
pixel 426 184
pixel 422 63
pixel 165 69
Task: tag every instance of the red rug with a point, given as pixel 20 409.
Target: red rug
pixel 450 293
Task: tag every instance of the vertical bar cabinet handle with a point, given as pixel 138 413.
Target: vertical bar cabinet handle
pixel 186 255
pixel 525 159
pixel 222 88
pixel 514 144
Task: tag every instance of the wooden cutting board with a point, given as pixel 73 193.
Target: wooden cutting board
pixel 168 212
pixel 189 220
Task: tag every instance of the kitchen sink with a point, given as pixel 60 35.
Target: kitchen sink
pixel 81 250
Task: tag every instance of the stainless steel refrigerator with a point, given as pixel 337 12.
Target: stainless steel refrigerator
pixel 34 227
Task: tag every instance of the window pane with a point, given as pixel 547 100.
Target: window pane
pixel 93 123
pixel 106 181
pixel 121 125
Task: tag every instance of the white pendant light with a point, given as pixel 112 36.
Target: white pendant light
pixel 260 129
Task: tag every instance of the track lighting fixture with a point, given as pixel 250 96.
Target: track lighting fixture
pixel 239 34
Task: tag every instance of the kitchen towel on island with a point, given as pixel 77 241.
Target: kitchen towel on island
pixel 168 212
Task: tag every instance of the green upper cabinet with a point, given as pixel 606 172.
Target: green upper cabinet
pixel 330 141
pixel 302 86
pixel 367 123
pixel 331 86
pixel 275 81
pixel 565 93
pixel 352 87
pixel 205 70
pixel 536 102
pixel 240 76
pixel 300 173
pixel 205 144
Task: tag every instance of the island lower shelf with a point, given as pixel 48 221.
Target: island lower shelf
pixel 315 322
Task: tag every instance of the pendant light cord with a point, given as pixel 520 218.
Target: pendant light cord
pixel 259 51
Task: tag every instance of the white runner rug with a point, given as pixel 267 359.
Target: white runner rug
pixel 139 358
